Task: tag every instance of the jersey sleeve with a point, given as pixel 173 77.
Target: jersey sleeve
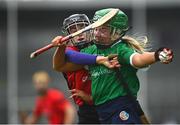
pixel 80 58
pixel 125 54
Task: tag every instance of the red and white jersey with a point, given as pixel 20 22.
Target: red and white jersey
pixel 80 80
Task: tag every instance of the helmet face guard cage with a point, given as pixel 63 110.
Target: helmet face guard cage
pixel 67 28
pixel 118 25
pixel 115 35
pixel 77 20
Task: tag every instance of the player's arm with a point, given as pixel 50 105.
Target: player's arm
pixel 32 119
pixel 89 59
pixel 142 60
pixel 78 59
pixel 69 114
pixel 59 61
pixel 36 114
pixel 28 119
pixel 164 55
pixel 73 60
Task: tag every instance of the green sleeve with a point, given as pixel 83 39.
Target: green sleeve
pixel 125 53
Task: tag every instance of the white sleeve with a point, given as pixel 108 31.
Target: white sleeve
pixel 131 57
pixel 143 69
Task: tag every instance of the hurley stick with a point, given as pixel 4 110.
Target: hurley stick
pixel 96 24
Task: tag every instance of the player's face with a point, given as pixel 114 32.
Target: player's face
pixel 81 37
pixel 41 84
pixel 102 34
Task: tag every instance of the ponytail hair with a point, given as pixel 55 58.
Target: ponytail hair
pixel 140 44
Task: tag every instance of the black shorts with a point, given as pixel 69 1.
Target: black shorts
pixel 121 110
pixel 87 115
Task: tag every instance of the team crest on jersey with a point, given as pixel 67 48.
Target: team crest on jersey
pixel 84 78
pixel 124 115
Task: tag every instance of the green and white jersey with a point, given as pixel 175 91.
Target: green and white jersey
pixel 105 84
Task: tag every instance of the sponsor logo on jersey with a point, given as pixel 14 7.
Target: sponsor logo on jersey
pixel 124 115
pixel 96 73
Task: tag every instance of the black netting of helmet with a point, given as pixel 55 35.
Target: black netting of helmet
pixel 75 19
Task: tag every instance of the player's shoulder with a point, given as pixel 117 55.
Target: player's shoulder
pixel 55 94
pixel 122 44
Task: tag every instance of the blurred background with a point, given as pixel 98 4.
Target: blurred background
pixel 26 25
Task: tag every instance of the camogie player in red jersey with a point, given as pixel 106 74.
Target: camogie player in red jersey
pixel 78 81
pixel 49 102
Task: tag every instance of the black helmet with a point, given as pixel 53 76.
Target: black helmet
pixel 76 19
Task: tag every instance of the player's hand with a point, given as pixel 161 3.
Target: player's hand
pixel 79 93
pixel 110 61
pixel 23 116
pixel 57 41
pixel 164 55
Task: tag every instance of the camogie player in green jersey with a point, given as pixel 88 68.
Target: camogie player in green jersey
pixel 114 91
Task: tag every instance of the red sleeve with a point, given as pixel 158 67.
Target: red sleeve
pixel 71 48
pixel 38 108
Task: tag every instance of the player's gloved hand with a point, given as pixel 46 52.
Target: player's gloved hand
pixel 57 41
pixel 164 55
pixel 110 61
pixel 113 58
